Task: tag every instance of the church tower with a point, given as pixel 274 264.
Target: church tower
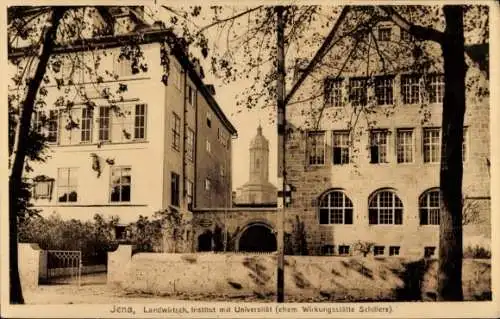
pixel 258 189
pixel 259 158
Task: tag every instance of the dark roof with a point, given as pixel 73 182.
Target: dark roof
pixel 143 37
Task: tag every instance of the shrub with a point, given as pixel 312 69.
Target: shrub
pixel 477 252
pixel 93 238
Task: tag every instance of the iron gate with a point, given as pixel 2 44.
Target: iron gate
pixel 64 266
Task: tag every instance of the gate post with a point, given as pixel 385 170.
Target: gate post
pixel 117 264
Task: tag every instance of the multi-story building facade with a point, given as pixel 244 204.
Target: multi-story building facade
pixel 364 158
pixel 137 144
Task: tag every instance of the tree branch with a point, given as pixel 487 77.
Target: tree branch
pixel 227 19
pixel 420 32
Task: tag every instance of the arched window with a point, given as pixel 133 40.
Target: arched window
pixel 257 163
pixel 429 207
pixel 335 208
pixel 385 207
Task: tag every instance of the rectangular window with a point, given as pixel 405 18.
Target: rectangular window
pixel 174 189
pixel 406 36
pixel 104 124
pixel 67 184
pixel 176 131
pixel 222 137
pixel 404 145
pixel 378 147
pixel 140 122
pixel 384 33
pixel 189 144
pixel 340 141
pixel 123 66
pixel 191 95
pixel 316 148
pixel 208 146
pixel 436 88
pixel 429 251
pixel 410 88
pixel 208 184
pixel 86 129
pixel 42 189
pixel 121 184
pixel 188 185
pixel 378 250
pixel 344 250
pixel 333 92
pixel 327 250
pixel 384 90
pixel 209 119
pixel 53 127
pixel 432 145
pixel 393 250
pixel 358 91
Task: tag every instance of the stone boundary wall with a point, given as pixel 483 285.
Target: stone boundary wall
pixel 338 278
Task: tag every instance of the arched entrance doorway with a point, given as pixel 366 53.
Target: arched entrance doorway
pixel 257 237
pixel 205 241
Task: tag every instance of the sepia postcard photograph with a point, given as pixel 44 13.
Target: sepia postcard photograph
pixel 191 159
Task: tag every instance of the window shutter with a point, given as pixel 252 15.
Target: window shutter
pixel 424 217
pixel 348 216
pixel 373 216
pixel 398 217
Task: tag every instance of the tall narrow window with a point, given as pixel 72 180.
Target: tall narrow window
pixel 410 88
pixel 86 131
pixel 121 184
pixel 358 91
pixel 436 88
pixel 333 92
pixel 191 95
pixel 340 141
pixel 67 185
pixel 188 185
pixel 378 146
pixel 429 207
pixel 432 145
pixel 176 131
pixel 209 119
pixel 384 90
pixel 189 144
pixel 104 123
pixel 208 184
pixel 404 145
pixel 385 207
pixel 174 189
pixel 208 146
pixel 53 126
pixel 316 148
pixel 140 122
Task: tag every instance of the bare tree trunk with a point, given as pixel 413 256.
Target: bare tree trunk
pixel 22 133
pixel 450 235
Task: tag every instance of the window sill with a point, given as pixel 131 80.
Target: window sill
pixel 103 143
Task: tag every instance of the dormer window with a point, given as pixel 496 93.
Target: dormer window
pixel 384 33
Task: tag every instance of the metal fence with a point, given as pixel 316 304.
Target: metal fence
pixel 64 266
